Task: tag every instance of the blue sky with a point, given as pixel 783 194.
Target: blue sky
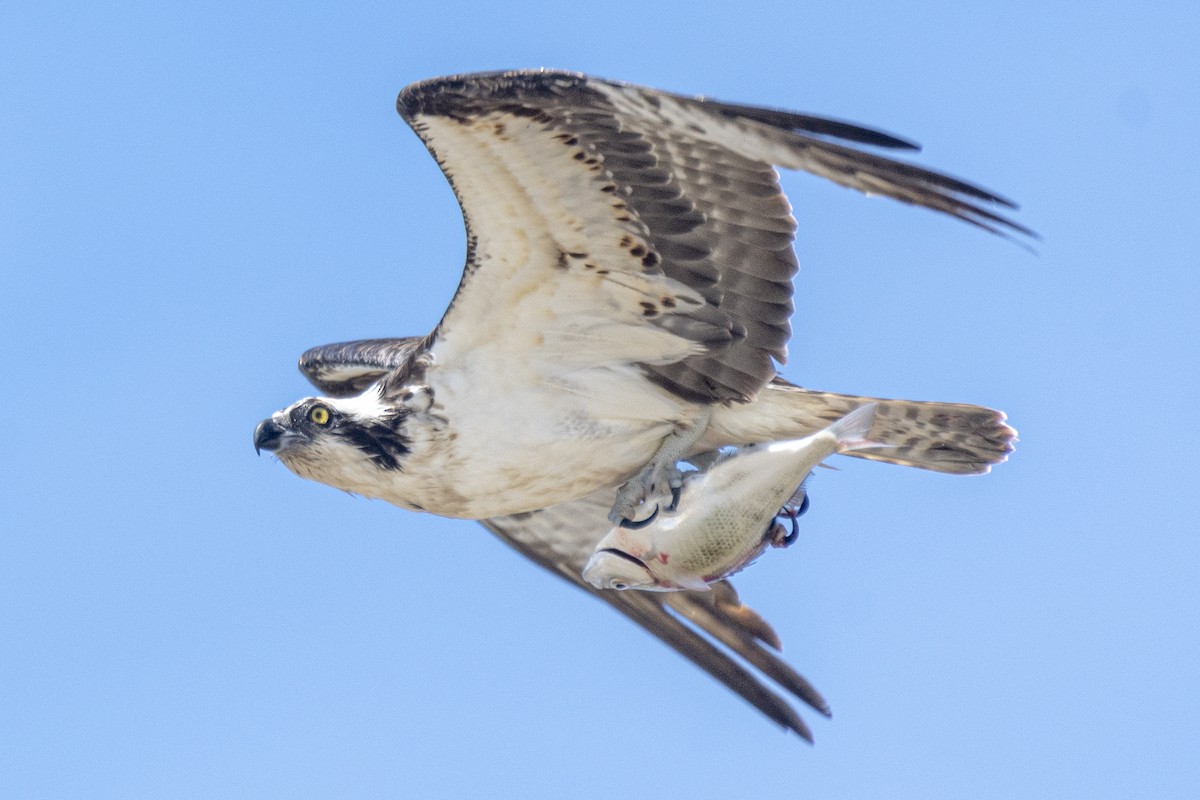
pixel 190 197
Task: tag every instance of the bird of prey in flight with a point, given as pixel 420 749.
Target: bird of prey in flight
pixel 625 301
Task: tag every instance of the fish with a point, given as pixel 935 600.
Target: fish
pixel 722 518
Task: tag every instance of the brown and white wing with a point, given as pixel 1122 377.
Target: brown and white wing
pixel 562 537
pixel 610 223
pixel 346 369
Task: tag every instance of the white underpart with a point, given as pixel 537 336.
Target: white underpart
pixel 540 439
pixel 540 204
pixel 534 367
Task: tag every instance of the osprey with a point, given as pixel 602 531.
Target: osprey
pixel 625 300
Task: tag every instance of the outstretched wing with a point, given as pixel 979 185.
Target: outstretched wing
pixel 615 224
pixel 562 537
pixel 346 369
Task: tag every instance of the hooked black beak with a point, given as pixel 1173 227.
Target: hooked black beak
pixel 267 436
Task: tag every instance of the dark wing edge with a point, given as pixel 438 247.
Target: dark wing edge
pixel 346 369
pixel 908 183
pixel 797 132
pixel 716 618
pixel 806 123
pixel 870 173
pixel 656 202
pixel 699 175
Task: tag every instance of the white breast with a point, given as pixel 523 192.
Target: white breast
pixel 502 439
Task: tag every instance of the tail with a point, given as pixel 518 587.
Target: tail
pixel 945 437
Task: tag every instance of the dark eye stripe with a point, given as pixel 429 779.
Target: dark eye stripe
pixel 385 445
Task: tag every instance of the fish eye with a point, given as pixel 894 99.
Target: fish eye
pixel 620 586
pixel 319 415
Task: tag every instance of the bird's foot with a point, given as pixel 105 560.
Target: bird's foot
pixel 661 475
pixel 779 536
pixel 655 481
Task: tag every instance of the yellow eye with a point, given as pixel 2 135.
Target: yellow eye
pixel 319 415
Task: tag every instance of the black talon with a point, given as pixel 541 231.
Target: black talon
pixel 790 539
pixel 793 514
pixel 628 523
pixel 675 492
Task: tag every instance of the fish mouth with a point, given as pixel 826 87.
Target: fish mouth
pixel 622 554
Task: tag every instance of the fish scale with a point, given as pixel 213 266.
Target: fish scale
pixel 722 521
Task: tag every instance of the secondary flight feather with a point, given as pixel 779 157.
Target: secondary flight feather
pixel 625 301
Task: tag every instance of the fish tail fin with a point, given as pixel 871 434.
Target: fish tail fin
pixel 853 431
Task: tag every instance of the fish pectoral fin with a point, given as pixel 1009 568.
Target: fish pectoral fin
pixel 691 582
pixel 799 498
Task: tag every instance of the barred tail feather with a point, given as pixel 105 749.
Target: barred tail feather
pixel 955 438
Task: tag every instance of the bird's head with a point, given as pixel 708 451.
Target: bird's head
pixel 358 444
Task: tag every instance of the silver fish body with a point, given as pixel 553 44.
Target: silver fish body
pixel 722 520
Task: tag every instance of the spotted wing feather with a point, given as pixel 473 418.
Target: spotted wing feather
pixel 651 225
